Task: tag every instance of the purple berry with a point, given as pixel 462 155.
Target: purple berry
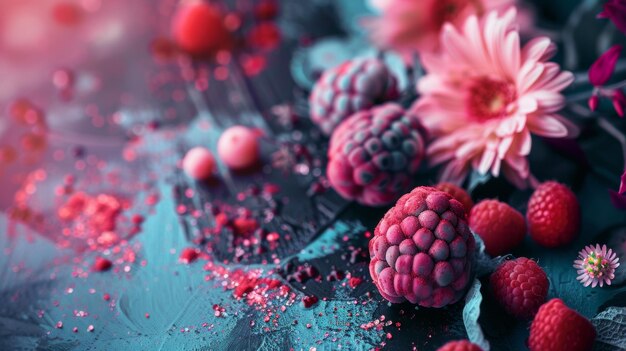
pixel 419 255
pixel 353 86
pixel 367 160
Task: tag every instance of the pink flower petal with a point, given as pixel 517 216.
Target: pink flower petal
pixel 538 49
pixel 562 81
pixel 552 126
pixel 484 94
pixel 619 102
pixel 622 184
pixel 601 70
pixel 455 172
pixel 486 161
pixel 528 75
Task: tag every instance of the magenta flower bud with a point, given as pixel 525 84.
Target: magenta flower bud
pixel 615 10
pixel 601 70
pixel 619 102
pixel 593 102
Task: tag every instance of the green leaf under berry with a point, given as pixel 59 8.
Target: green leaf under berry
pixel 610 326
pixel 471 312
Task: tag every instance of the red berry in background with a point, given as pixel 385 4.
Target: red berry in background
pixel 501 227
pixel 199 29
pixel 458 193
pixel 422 250
pixel 265 36
pixel 557 327
pixel 553 215
pixel 67 14
pixel 460 345
pixel 102 264
pixel 266 10
pixel 520 286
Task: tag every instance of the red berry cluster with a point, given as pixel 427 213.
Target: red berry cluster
pixel 552 218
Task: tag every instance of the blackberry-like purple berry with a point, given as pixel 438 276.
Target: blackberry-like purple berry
pixel 374 155
pixel 353 86
pixel 422 250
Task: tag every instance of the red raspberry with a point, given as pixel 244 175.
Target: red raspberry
pixel 460 345
pixel 198 29
pixel 553 215
pixel 520 286
pixel 501 227
pixel 557 327
pixel 422 250
pixel 458 193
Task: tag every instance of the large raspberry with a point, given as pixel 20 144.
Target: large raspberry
pixel 557 327
pixel 520 286
pixel 422 250
pixel 374 154
pixel 501 227
pixel 460 345
pixel 553 215
pixel 353 86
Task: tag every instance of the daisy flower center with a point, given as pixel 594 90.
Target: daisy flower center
pixel 596 265
pixel 488 98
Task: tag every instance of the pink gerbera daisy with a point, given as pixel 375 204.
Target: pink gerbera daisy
pixel 409 26
pixel 596 266
pixel 485 94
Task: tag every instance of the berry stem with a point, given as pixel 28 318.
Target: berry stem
pixel 583 96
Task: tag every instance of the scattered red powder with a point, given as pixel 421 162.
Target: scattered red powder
pixel 102 264
pixel 188 255
pixel 253 286
pixel 309 301
pixel 354 282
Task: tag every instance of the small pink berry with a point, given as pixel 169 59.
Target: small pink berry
pixel 238 147
pixel 199 163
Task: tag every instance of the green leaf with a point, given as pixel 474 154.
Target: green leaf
pixel 471 312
